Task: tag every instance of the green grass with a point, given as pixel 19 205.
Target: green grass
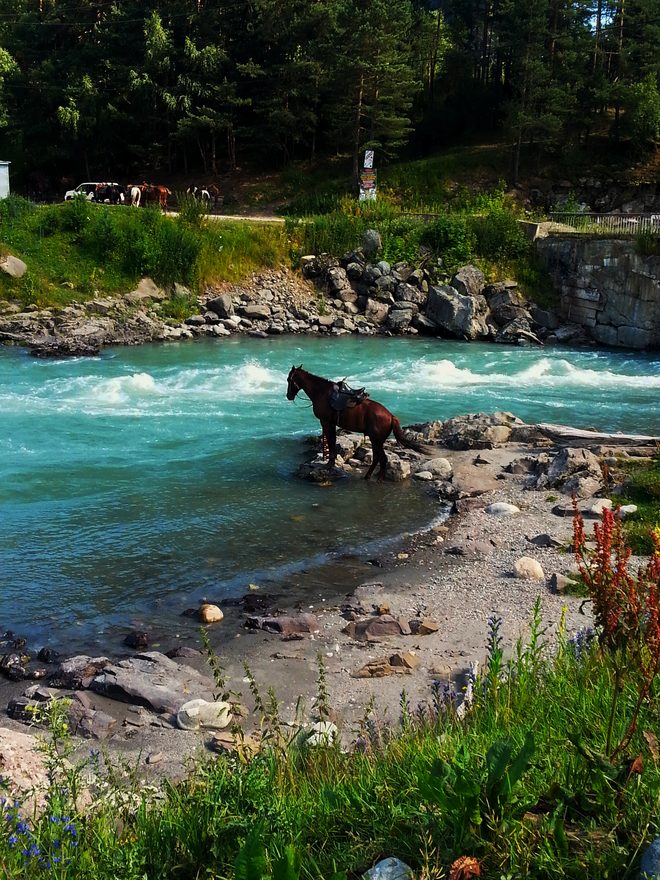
pixel 641 486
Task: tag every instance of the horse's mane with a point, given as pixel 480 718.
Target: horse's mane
pixel 314 376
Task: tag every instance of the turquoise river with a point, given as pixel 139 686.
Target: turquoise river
pixel 135 483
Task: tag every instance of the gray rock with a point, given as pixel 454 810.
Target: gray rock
pixel 460 316
pixel 222 305
pixel 376 312
pixel 153 680
pixel 209 714
pixel 371 242
pixel 469 281
pixel 502 508
pixel 12 266
pixel 399 319
pixel 390 869
pixel 256 311
pixel 439 467
pixel 570 461
pixel 285 625
pixel 545 540
pixel 77 672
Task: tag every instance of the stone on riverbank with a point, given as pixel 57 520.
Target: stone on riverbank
pixel 151 679
pixel 203 713
pixel 528 569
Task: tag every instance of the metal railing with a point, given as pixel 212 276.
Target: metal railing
pixel 621 224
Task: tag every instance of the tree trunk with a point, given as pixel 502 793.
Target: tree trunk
pixel 231 147
pixel 434 57
pixel 356 133
pixel 599 15
pixel 202 153
pixel 214 163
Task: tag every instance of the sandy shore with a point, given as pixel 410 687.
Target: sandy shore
pixel 456 575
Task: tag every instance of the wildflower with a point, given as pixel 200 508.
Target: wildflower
pixel 12 840
pixel 581 641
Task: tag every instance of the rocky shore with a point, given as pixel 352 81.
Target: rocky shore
pixel 356 293
pixel 417 621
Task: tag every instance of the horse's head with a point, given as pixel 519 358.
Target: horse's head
pixel 293 385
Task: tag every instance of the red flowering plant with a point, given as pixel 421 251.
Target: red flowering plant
pixel 626 609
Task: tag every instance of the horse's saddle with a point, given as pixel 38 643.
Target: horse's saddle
pixel 343 397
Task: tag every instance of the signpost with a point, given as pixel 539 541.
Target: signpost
pixel 368 178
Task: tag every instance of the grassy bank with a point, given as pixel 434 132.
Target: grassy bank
pixel 78 250
pixel 552 772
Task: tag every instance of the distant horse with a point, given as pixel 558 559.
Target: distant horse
pixel 215 194
pixel 111 193
pixel 199 193
pixel 135 194
pixel 155 192
pixel 366 417
pixel 209 195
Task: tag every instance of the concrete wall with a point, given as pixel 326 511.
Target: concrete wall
pixel 606 286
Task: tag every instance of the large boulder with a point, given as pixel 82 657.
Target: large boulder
pixel 12 266
pixel 569 467
pixel 399 319
pixel 458 315
pixel 469 281
pixel 376 311
pixel 151 679
pixel 478 430
pixel 338 281
pixel 222 305
pixel 409 293
pixel 505 304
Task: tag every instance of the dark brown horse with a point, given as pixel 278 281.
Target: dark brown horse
pixel 367 417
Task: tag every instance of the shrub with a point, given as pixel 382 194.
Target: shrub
pixel 15 208
pixel 498 236
pixel 451 238
pixel 76 214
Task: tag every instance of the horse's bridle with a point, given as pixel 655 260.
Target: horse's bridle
pixel 293 384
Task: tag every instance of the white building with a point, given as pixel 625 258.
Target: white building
pixel 4 179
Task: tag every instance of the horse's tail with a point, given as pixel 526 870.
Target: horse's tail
pixel 406 441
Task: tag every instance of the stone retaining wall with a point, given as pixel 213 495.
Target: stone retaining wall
pixel 606 286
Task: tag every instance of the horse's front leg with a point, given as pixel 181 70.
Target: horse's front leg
pixel 330 435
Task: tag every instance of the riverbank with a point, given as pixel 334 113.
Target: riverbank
pixel 426 603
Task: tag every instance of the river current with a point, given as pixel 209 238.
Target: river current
pixel 135 483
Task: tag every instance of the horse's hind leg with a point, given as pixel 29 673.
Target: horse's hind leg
pixel 379 458
pixel 330 437
pixel 382 459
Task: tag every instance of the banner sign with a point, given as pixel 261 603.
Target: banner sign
pixel 367 185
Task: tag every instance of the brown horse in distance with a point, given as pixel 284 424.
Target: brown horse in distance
pixel 367 417
pixel 155 193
